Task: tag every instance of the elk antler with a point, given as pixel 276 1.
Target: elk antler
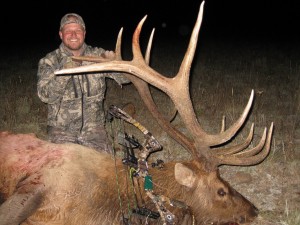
pixel 177 88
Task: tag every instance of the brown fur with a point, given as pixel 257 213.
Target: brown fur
pixel 71 184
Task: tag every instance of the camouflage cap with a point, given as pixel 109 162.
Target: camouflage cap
pixel 71 18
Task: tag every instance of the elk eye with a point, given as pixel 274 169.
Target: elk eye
pixel 221 192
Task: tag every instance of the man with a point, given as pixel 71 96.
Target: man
pixel 75 102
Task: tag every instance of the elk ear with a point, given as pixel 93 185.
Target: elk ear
pixel 184 175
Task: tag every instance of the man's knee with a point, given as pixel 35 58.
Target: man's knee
pixel 96 138
pixel 98 145
pixel 58 135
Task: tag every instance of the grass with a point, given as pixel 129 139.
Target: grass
pixel 288 218
pixel 223 75
pixel 21 110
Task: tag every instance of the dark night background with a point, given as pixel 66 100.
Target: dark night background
pixel 27 23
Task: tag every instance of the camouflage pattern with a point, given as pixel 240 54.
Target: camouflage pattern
pixel 75 102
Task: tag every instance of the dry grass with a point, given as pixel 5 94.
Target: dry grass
pixel 222 78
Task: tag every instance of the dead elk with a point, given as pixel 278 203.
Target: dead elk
pixel 45 183
pixel 212 200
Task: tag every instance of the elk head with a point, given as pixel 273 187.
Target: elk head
pixel 222 204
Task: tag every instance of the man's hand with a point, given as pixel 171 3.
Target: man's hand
pixel 71 63
pixel 108 55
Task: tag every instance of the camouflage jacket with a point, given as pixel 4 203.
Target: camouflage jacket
pixel 74 101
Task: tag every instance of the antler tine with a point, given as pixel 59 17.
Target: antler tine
pixel 184 70
pixel 118 45
pixel 149 46
pixel 228 134
pixel 234 149
pixel 136 49
pixel 250 159
pixel 256 149
pixel 223 124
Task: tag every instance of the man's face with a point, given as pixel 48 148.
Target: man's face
pixel 72 35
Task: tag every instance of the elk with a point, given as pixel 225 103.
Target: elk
pixel 47 183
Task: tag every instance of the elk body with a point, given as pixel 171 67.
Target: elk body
pixel 44 183
pixel 68 184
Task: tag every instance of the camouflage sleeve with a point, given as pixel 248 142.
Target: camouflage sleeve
pixel 50 87
pixel 120 78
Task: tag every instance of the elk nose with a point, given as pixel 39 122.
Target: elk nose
pixel 242 219
pixel 254 211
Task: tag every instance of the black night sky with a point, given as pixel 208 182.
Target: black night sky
pixel 30 22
